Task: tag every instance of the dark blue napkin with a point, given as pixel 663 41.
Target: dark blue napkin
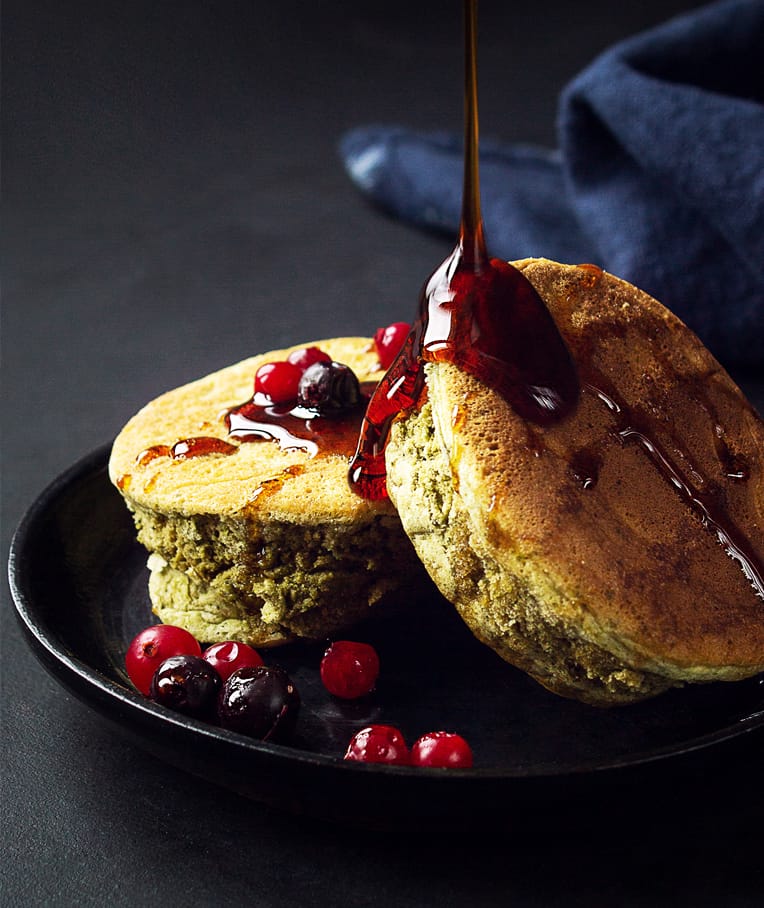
pixel 659 177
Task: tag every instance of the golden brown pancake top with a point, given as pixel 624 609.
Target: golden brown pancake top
pixel 287 485
pixel 595 501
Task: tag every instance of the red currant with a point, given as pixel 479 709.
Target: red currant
pixel 389 341
pixel 307 356
pixel 226 657
pixel 442 749
pixel 378 744
pixel 350 670
pixel 278 381
pixel 151 647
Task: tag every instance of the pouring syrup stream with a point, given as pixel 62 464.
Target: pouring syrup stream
pixel 479 313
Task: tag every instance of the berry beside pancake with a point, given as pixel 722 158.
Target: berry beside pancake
pixel 618 552
pixel 251 538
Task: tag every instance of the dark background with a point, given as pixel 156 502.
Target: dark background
pixel 173 202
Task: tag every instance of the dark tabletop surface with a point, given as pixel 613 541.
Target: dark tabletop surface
pixel 174 202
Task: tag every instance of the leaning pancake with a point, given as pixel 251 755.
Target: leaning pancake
pixel 253 542
pixel 606 554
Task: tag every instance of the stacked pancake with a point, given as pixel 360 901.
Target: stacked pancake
pixel 260 542
pixel 612 555
pixel 606 555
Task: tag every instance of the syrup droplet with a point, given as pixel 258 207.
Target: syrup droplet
pixel 186 448
pixel 480 314
pixel 200 446
pixel 270 486
pixel 593 274
pixel 734 465
pixel 148 487
pixel 585 467
pixel 146 456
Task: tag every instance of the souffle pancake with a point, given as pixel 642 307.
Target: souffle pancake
pixel 258 538
pixel 618 552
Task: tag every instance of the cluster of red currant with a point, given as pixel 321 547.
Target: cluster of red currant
pixel 230 683
pixel 310 378
pixel 350 670
pixel 227 683
pixel 386 744
pixel 279 380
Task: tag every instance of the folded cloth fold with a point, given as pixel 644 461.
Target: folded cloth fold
pixel 659 177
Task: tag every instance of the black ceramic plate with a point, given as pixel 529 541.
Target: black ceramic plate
pixel 79 582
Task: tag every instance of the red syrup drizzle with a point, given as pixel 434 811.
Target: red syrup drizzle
pixel 295 428
pixel 480 314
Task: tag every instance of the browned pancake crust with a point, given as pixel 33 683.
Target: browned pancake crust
pixel 623 567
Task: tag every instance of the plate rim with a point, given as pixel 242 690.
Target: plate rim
pixel 65 666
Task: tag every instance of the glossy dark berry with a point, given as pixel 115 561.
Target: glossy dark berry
pixel 151 647
pixel 388 342
pixel 442 749
pixel 307 356
pixel 227 657
pixel 278 381
pixel 350 670
pixel 259 701
pixel 329 388
pixel 187 684
pixel 378 744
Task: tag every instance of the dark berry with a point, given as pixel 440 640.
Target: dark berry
pixel 442 749
pixel 307 356
pixel 388 342
pixel 151 647
pixel 350 670
pixel 260 701
pixel 226 657
pixel 329 388
pixel 187 684
pixel 278 381
pixel 378 744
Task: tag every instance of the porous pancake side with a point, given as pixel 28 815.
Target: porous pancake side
pixel 217 611
pixel 272 582
pixel 502 608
